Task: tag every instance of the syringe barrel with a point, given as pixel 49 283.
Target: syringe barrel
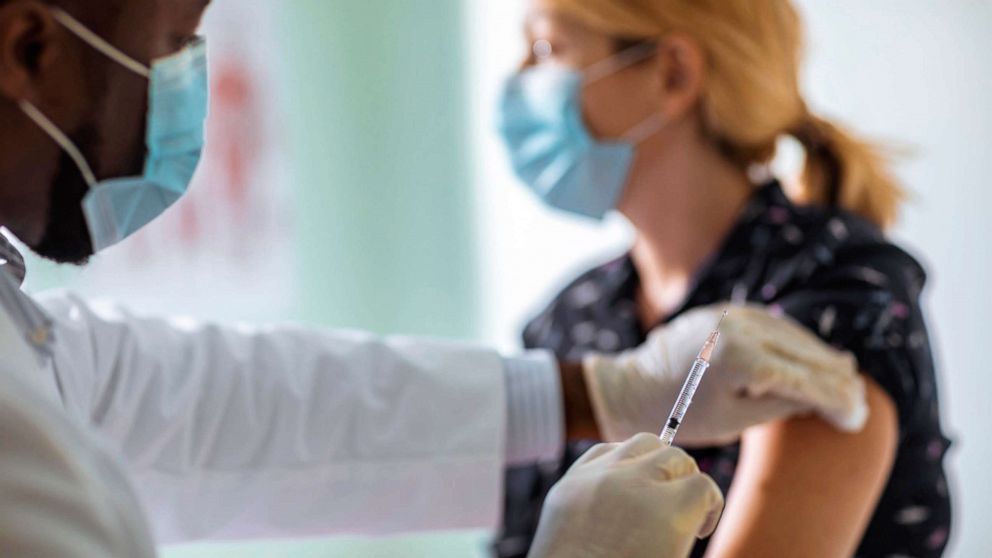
pixel 684 400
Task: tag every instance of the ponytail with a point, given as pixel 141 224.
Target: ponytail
pixel 846 172
pixel 752 93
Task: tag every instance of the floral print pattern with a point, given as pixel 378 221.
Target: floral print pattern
pixel 832 272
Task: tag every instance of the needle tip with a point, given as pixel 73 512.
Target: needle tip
pixel 722 318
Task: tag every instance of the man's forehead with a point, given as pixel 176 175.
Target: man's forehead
pixel 192 8
pixel 182 8
pixel 109 14
pixel 193 5
pixel 150 21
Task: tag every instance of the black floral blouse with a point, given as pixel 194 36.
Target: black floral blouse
pixel 835 274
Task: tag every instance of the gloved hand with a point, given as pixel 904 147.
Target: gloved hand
pixel 640 499
pixel 765 368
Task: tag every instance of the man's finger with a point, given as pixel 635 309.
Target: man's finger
pixel 701 499
pixel 637 446
pixel 667 464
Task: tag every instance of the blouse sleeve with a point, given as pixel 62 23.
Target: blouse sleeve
pixel 867 302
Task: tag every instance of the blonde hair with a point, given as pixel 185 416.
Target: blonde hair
pixel 752 96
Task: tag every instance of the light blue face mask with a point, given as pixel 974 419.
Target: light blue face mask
pixel 177 109
pixel 550 147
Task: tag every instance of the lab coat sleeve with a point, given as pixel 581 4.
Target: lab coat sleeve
pixel 233 432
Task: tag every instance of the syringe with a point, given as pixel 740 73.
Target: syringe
pixel 699 367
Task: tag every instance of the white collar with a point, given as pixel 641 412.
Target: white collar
pixel 11 259
pixel 27 316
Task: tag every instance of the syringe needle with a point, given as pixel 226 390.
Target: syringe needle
pixel 695 376
pixel 722 318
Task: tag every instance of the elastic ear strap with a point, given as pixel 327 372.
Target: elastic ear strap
pixel 60 138
pixel 78 29
pixel 651 126
pixel 619 61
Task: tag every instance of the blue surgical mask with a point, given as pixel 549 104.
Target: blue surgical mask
pixel 550 147
pixel 116 208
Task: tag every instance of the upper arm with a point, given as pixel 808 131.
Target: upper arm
pixel 803 488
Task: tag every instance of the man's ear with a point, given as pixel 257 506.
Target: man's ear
pixel 682 74
pixel 28 39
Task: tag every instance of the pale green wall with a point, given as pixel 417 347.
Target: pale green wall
pixel 418 546
pixel 375 106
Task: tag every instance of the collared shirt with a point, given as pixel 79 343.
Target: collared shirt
pixel 28 317
pixel 74 493
pixel 11 260
pixel 833 273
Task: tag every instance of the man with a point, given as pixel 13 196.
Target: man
pixel 228 432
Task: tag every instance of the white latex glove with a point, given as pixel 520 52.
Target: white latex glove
pixel 765 368
pixel 640 499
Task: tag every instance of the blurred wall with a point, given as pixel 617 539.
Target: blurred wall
pixel 376 107
pixel 372 98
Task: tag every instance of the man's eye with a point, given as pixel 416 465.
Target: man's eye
pixel 182 41
pixel 193 39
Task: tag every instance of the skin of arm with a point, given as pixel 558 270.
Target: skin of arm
pixel 805 489
pixel 580 420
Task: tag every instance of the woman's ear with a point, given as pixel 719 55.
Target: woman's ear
pixel 681 66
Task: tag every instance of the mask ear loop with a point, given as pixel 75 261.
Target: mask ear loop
pixel 641 132
pixel 74 26
pixel 60 138
pixel 620 61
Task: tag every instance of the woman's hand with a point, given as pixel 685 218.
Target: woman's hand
pixel 765 368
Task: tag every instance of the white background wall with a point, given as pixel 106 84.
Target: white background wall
pixel 918 72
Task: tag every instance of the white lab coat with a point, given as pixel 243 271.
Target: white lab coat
pixel 233 432
pixel 61 493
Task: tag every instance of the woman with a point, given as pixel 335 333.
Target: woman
pixel 669 111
